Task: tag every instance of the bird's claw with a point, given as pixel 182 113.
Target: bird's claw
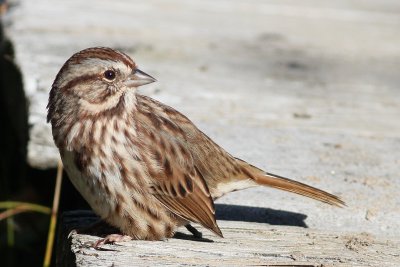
pixel 110 239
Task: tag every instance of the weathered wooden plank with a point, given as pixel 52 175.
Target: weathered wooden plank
pixel 254 244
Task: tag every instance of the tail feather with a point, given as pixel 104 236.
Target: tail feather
pixel 268 179
pixel 286 184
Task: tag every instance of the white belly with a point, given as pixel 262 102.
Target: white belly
pixel 89 187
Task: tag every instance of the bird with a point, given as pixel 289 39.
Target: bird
pixel 141 165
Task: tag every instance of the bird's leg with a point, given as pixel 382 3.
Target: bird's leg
pixel 112 239
pixel 101 228
pixel 196 233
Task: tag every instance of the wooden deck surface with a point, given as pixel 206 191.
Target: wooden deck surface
pixel 245 244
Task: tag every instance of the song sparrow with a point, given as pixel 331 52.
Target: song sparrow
pixel 141 165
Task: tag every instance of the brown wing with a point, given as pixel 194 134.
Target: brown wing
pixel 213 162
pixel 189 198
pixel 175 180
pixel 218 168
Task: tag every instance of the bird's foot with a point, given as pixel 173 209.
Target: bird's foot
pixel 110 239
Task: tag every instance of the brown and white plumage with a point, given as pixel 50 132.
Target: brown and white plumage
pixel 141 165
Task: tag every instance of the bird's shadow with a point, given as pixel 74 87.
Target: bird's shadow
pixel 259 215
pixel 180 235
pixel 251 214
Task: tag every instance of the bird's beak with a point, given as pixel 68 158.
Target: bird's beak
pixel 139 78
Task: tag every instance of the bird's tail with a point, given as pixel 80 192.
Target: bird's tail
pixel 268 179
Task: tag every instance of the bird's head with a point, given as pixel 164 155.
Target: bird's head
pixel 95 80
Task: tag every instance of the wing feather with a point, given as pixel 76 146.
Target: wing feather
pixel 177 183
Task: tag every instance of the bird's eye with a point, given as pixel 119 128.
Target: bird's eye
pixel 109 75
